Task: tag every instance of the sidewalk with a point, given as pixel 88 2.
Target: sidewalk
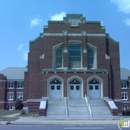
pixel 42 121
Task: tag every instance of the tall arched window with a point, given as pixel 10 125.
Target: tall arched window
pixel 58 57
pixel 90 58
pixel 74 56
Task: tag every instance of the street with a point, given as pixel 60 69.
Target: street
pixel 58 127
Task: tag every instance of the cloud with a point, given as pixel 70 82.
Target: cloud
pixel 58 16
pixel 35 22
pixel 127 21
pixel 123 5
pixel 25 55
pixel 20 47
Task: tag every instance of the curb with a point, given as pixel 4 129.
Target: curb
pixel 5 122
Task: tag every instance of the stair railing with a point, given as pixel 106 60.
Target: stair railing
pixel 66 108
pixel 88 105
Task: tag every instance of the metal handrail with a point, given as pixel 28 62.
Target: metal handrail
pixel 88 105
pixel 66 107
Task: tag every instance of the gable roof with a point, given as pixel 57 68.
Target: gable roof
pixel 14 72
pixel 124 73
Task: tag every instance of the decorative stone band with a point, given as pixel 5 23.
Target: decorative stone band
pixel 75 70
pixel 75 34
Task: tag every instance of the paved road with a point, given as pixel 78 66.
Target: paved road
pixel 55 127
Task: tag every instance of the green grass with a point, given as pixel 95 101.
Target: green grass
pixel 9 112
pixel 8 118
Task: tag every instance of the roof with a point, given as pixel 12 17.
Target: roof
pixel 14 72
pixel 124 73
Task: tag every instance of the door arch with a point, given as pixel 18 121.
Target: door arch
pixel 55 87
pixel 95 87
pixel 75 87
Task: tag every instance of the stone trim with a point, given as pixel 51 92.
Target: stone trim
pixel 75 34
pixel 114 112
pixel 82 70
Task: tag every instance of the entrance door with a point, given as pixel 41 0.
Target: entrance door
pixel 55 89
pixel 94 89
pixel 94 92
pixel 75 91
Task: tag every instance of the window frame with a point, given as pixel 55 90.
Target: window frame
pixel 75 44
pixel 21 84
pixel 126 106
pixel 92 47
pixel 60 57
pixel 10 84
pixel 8 96
pixel 21 96
pixel 60 45
pixel 124 95
pixel 122 83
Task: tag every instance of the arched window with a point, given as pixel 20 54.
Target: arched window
pixel 74 81
pixel 58 57
pixel 90 58
pixel 55 81
pixel 94 81
pixel 74 56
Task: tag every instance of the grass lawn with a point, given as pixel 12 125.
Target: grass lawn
pixel 9 112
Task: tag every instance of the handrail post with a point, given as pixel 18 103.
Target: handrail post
pixel 66 107
pixel 88 105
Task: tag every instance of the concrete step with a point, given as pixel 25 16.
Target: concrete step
pixel 77 109
pixel 56 109
pixel 99 109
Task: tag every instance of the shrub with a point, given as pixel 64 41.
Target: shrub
pixel 127 111
pixel 18 104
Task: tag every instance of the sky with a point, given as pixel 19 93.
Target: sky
pixel 22 21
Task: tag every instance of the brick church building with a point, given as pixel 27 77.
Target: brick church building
pixel 72 58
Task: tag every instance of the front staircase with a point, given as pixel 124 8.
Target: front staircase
pixel 56 109
pixel 77 109
pixel 100 110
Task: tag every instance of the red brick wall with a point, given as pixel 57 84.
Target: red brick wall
pixel 2 91
pixel 36 82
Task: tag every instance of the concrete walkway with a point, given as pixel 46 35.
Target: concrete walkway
pixel 42 121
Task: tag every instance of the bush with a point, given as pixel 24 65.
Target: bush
pixel 127 111
pixel 18 104
pixel 22 112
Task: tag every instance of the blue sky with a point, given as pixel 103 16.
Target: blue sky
pixel 22 20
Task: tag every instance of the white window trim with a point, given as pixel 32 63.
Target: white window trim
pixel 11 83
pixel 124 93
pixel 8 96
pixel 124 106
pixel 20 93
pixel 76 42
pixel 95 55
pixel 22 84
pixel 53 55
pixel 123 83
